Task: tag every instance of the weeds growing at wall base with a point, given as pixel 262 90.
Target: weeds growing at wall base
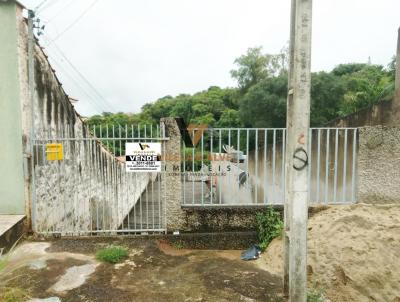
pixel 112 254
pixel 269 226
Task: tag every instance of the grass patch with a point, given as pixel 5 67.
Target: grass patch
pixel 14 294
pixel 269 226
pixel 3 263
pixel 112 254
pixel 315 295
pixel 178 245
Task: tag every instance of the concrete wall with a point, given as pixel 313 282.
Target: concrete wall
pixel 379 164
pixel 89 189
pixel 379 114
pixel 11 160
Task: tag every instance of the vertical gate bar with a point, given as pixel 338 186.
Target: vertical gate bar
pixel 353 172
pixel 55 163
pixel 75 171
pixel 147 186
pixel 327 165
pixel 152 196
pixel 201 169
pixel 283 185
pixel 247 160
pixel 98 176
pixel 318 165
pixel 107 137
pixel 115 153
pixel 120 183
pixel 345 165
pixel 273 165
pixel 211 159
pixel 108 211
pixel 193 172
pixel 35 167
pixel 135 223
pixel 159 197
pixel 336 165
pixel 125 205
pixel 229 146
pixel 165 191
pixel 184 170
pixel 152 182
pixel 90 159
pixel 265 165
pixel 237 159
pixel 131 177
pixel 310 164
pixel 256 166
pixel 219 165
pixel 120 140
pixel 105 188
pixel 141 208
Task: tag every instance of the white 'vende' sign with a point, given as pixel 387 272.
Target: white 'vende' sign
pixel 143 157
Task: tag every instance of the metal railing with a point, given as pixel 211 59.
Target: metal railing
pixel 246 167
pixel 88 190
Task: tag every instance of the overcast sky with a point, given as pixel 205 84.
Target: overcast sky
pixel 134 52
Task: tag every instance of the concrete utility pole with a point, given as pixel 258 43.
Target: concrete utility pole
pixel 31 84
pixel 289 152
pixel 397 80
pixel 298 124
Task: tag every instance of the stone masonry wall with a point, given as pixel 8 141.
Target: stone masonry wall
pixel 89 189
pixel 379 164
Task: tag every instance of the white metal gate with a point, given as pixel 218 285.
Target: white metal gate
pixel 246 167
pixel 81 187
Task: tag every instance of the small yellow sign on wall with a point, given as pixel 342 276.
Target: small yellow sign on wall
pixel 54 152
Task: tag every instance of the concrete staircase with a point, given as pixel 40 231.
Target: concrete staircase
pixel 148 212
pixel 11 229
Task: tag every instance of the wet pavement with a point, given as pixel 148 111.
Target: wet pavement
pixel 66 270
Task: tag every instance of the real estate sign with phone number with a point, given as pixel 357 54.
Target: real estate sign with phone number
pixel 143 157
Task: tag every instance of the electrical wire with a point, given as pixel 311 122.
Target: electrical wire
pixel 93 97
pixel 96 92
pixel 90 98
pixel 106 104
pixel 42 7
pixel 76 20
pixel 59 11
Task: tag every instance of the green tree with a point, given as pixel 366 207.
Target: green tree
pixel 264 105
pixel 229 118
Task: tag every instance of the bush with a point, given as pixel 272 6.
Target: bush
pixel 269 226
pixel 314 295
pixel 14 295
pixel 112 254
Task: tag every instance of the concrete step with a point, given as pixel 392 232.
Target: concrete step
pixel 147 214
pixel 11 229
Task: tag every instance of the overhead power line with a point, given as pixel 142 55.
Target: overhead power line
pixel 76 20
pixel 62 9
pixel 95 95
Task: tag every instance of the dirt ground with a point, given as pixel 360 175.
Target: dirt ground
pixel 353 253
pixel 66 270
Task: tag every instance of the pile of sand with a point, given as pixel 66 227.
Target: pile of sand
pixel 353 253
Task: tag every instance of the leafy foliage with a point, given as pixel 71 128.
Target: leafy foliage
pixel 14 294
pixel 112 254
pixel 269 226
pixel 314 295
pixel 260 98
